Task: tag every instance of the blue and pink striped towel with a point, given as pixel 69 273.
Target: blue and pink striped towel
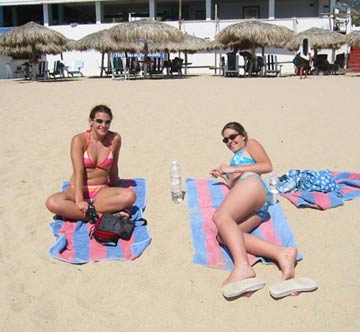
pixel 348 182
pixel 204 196
pixel 73 244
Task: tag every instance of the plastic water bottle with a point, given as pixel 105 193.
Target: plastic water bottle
pixel 175 182
pixel 274 193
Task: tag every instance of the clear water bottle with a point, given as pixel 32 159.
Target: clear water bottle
pixel 274 193
pixel 175 182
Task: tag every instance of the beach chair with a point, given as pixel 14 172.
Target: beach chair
pixel 338 68
pixel 176 66
pixel 232 65
pixel 132 67
pixel 253 67
pixel 19 71
pixel 156 67
pixel 321 65
pixel 58 70
pixel 117 69
pixel 272 66
pixel 43 71
pixel 75 69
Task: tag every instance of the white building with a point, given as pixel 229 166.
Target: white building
pixel 202 18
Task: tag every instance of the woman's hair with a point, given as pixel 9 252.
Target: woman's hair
pixel 305 46
pixel 237 127
pixel 100 109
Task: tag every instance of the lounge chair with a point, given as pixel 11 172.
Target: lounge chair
pixel 321 65
pixel 58 70
pixel 75 68
pixel 232 65
pixel 338 68
pixel 132 67
pixel 43 71
pixel 117 68
pixel 254 67
pixel 176 66
pixel 272 67
pixel 156 67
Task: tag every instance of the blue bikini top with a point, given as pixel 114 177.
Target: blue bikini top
pixel 239 159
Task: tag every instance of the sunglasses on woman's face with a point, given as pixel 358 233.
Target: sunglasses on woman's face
pixel 231 137
pixel 101 121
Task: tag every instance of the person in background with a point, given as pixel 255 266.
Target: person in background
pixel 305 58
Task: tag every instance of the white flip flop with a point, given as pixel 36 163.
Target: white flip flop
pixel 238 288
pixel 288 287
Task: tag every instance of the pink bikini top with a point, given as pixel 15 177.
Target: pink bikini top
pixel 105 164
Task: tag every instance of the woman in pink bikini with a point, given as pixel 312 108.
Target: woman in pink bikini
pixel 94 156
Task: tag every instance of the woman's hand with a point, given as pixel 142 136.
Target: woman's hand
pixel 83 206
pixel 222 170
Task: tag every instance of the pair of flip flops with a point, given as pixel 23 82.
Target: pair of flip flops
pixel 277 291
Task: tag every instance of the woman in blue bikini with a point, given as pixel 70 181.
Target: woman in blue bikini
pixel 243 209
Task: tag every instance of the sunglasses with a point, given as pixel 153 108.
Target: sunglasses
pixel 231 137
pixel 101 121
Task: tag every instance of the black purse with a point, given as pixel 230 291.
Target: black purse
pixel 110 228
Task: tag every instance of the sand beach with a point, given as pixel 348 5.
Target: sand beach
pixel 303 124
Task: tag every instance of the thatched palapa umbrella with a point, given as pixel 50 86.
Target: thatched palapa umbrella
pixel 145 31
pixel 190 44
pixel 35 39
pixel 353 38
pixel 250 34
pixel 318 39
pixel 102 42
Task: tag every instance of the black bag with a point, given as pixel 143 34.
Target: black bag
pixel 109 228
pixel 296 60
pixel 91 214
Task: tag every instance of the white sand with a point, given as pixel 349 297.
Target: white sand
pixel 304 124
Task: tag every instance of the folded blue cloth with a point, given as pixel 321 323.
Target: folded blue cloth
pixel 321 181
pixel 308 180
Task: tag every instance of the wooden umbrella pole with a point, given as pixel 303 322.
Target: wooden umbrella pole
pixel 102 63
pixel 33 57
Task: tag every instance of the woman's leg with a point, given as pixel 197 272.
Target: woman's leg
pixel 244 198
pixel 285 257
pixel 63 204
pixel 113 199
pixel 107 200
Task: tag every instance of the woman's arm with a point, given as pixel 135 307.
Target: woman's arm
pixel 114 170
pixel 77 159
pixel 262 161
pixel 256 151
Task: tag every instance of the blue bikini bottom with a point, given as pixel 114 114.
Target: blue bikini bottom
pixel 262 212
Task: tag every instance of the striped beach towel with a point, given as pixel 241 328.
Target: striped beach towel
pixel 73 244
pixel 348 182
pixel 204 196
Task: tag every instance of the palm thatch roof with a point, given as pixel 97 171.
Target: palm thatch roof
pixel 145 30
pixel 250 34
pixel 27 51
pixel 102 42
pixel 34 36
pixel 189 44
pixel 353 38
pixel 318 39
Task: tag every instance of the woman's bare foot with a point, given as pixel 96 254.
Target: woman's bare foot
pixel 287 261
pixel 239 273
pixel 123 213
